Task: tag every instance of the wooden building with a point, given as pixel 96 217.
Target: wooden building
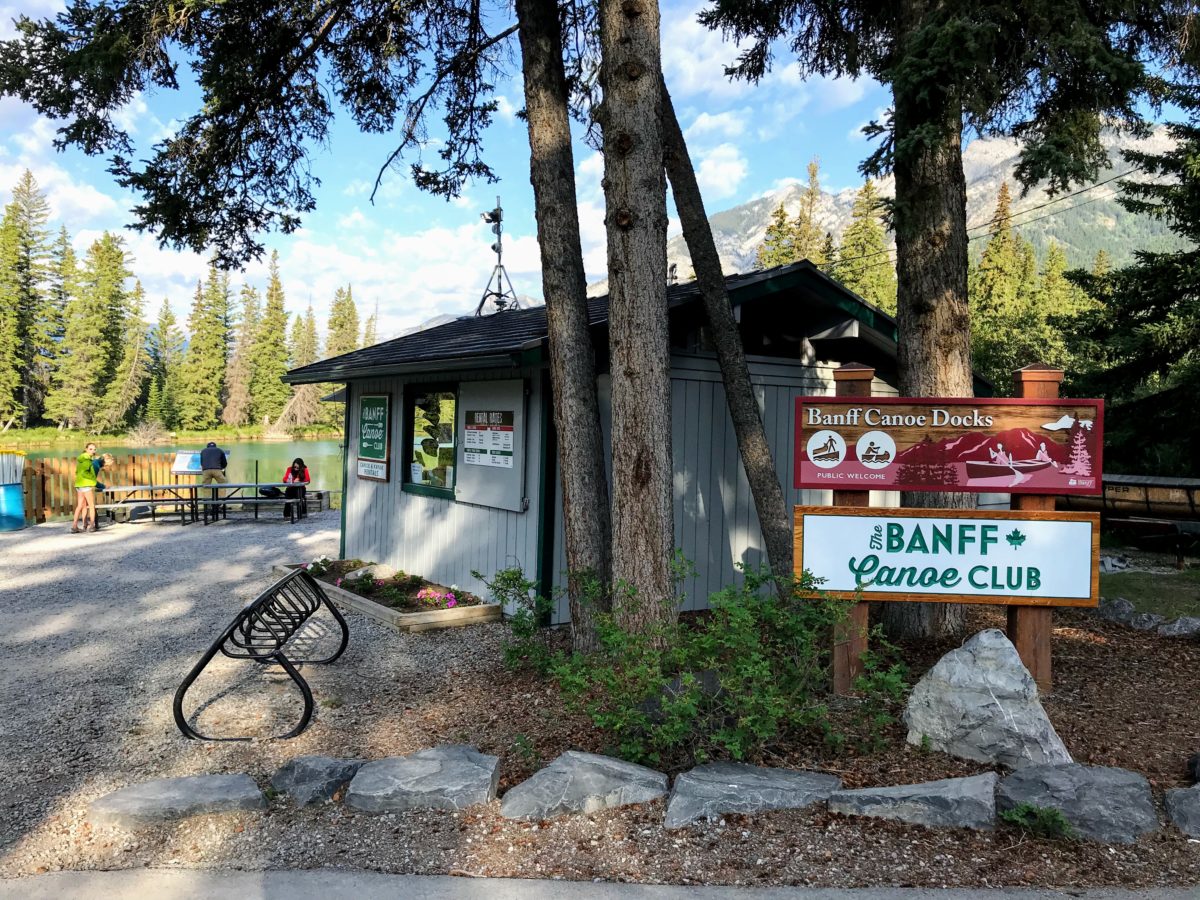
pixel 450 458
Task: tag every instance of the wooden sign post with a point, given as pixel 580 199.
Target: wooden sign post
pixel 850 636
pixel 1029 628
pixel 1034 447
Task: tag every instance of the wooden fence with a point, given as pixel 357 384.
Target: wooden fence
pixel 49 484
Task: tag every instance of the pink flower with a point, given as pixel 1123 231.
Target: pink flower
pixel 338 583
pixel 450 603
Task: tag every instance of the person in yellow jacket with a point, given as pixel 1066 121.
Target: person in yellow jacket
pixel 85 489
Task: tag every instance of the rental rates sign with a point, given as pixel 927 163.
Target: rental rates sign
pixel 1011 446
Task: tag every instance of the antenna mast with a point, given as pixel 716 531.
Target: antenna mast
pixel 503 297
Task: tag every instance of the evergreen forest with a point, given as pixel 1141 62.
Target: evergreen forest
pixel 82 347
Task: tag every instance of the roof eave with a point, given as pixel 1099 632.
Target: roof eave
pixel 340 375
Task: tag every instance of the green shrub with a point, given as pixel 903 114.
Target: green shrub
pixel 1040 822
pixel 750 673
pixel 528 643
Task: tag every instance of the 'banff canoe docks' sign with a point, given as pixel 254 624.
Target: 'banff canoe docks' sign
pixel 960 556
pixel 374 436
pixel 1011 446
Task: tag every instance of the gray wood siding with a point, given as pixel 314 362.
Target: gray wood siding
pixel 440 539
pixel 716 525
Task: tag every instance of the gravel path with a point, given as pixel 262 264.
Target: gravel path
pixel 97 630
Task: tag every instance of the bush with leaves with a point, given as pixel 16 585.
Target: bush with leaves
pixel 528 643
pixel 750 673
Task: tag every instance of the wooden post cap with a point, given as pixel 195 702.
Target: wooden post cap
pixel 853 372
pixel 1038 372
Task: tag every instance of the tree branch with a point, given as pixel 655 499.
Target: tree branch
pixel 416 109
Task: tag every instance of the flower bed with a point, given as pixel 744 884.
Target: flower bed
pixel 402 601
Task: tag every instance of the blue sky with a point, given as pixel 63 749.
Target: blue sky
pixel 418 256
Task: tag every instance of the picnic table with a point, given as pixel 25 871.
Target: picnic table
pixel 233 492
pixel 186 498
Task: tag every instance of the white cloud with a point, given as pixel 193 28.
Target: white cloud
pixel 730 124
pixel 351 220
pixel 694 58
pixel 34 9
pixel 506 109
pixel 721 171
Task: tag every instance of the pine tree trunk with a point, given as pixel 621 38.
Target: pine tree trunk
pixel 572 358
pixel 773 516
pixel 640 352
pixel 931 273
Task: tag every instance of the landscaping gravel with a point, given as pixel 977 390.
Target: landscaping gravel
pixel 97 630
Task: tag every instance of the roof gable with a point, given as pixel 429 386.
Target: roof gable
pixel 473 341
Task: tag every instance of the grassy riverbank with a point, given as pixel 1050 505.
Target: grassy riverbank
pixel 50 436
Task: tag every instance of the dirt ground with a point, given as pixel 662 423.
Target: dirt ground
pixel 85 708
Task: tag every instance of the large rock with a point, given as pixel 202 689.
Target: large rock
pixel 949 803
pixel 715 789
pixel 380 571
pixel 1117 609
pixel 1183 806
pixel 1110 805
pixel 979 702
pixel 314 779
pixel 1184 626
pixel 451 777
pixel 164 799
pixel 1147 621
pixel 582 782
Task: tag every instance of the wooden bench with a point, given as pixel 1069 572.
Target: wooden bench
pixel 260 633
pixel 295 509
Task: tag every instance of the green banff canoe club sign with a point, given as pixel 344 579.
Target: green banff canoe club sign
pixel 1016 558
pixel 374 436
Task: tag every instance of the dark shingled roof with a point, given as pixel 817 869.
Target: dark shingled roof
pixel 475 341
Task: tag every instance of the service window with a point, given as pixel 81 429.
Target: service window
pixel 430 417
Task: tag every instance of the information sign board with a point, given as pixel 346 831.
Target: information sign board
pixel 955 556
pixel 374 436
pixel 1013 446
pixel 488 438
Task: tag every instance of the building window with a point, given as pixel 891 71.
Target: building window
pixel 432 445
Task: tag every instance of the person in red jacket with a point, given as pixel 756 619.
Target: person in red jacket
pixel 296 478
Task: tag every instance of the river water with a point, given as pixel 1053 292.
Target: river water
pixel 323 458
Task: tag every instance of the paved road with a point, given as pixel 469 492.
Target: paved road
pixel 322 884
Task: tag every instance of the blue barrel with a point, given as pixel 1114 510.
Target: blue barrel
pixel 12 499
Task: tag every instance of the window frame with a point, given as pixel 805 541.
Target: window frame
pixel 411 392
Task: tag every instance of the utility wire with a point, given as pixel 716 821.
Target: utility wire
pixel 1012 224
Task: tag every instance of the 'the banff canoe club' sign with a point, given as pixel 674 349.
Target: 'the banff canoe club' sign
pixel 1011 446
pixel 961 556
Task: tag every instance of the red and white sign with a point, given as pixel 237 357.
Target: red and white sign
pixel 1014 446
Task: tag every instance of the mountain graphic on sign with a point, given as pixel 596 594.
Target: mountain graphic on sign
pixel 1019 443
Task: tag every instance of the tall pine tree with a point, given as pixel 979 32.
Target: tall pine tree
pixel 269 358
pixel 777 247
pixel 11 406
pixel 864 264
pixel 25 258
pixel 202 375
pixel 166 349
pixel 371 329
pixel 238 401
pixel 306 399
pixel 92 346
pixel 343 324
pixel 808 236
pixel 128 384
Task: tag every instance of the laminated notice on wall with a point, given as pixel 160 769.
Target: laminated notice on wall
pixel 488 438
